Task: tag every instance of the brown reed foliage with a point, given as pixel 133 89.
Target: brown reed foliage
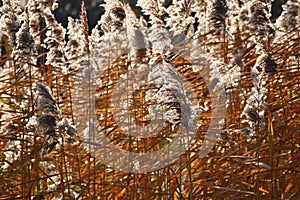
pixel 257 155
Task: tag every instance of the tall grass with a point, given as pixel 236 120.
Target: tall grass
pixel 43 136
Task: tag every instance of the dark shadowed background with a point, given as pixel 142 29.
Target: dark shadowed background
pixel 94 10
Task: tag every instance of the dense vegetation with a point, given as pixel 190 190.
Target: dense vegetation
pixel 63 89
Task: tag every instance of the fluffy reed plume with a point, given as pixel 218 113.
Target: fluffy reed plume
pixel 289 18
pixel 180 16
pixel 254 109
pixel 77 48
pixel 53 127
pixel 260 24
pixel 12 148
pixel 47 121
pixel 136 36
pixel 35 16
pixel 24 52
pixel 74 49
pixel 113 18
pixel 35 10
pixel 158 35
pixel 10 21
pixel 244 16
pixel 113 27
pixel 218 16
pixel 24 44
pixel 84 27
pixel 55 41
pixel 154 9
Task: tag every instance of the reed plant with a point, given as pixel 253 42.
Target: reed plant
pixel 50 75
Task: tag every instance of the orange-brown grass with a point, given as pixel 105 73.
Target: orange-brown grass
pixel 232 170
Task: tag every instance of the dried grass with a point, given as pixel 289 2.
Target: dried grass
pixel 263 166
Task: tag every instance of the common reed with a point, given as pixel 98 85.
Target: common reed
pixel 47 138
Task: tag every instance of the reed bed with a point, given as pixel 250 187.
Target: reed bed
pixel 50 75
